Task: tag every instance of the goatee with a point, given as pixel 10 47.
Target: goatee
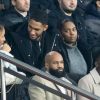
pixel 57 73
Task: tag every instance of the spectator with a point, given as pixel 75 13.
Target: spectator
pixel 54 65
pixel 11 80
pixel 75 63
pixel 91 82
pixel 28 42
pixel 92 21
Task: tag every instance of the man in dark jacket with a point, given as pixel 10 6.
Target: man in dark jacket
pixel 27 44
pixel 92 21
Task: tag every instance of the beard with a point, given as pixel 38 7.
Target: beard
pixel 57 73
pixel 68 11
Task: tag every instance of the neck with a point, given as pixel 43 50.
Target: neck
pixel 70 44
pixel 66 12
pixel 24 14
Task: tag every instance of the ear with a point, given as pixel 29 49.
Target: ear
pixel 13 2
pixel 45 27
pixel 96 64
pixel 78 36
pixel 59 1
pixel 46 66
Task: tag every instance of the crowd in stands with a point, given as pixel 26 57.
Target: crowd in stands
pixel 59 37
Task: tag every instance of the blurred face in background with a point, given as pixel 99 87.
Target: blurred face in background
pixel 68 5
pixel 21 5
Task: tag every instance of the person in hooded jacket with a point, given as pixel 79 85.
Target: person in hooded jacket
pixel 92 21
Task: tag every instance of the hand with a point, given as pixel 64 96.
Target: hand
pixel 6 47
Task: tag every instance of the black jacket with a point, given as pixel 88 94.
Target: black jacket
pixel 25 49
pixel 92 21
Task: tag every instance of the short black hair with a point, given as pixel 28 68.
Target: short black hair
pixel 39 14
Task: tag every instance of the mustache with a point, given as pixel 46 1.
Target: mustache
pixel 58 72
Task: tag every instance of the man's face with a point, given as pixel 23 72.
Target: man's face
pixel 68 5
pixel 69 32
pixel 35 29
pixel 21 5
pixel 56 65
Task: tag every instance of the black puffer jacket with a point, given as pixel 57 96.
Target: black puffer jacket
pixel 92 21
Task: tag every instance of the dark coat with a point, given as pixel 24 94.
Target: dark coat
pixel 24 49
pixel 92 21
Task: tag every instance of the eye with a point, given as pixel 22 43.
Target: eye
pixel 65 30
pixel 62 62
pixel 74 29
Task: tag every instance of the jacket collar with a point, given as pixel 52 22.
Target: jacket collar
pixel 70 46
pixel 95 75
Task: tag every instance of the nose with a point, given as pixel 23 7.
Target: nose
pixel 32 32
pixel 60 65
pixel 72 1
pixel 27 2
pixel 71 32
